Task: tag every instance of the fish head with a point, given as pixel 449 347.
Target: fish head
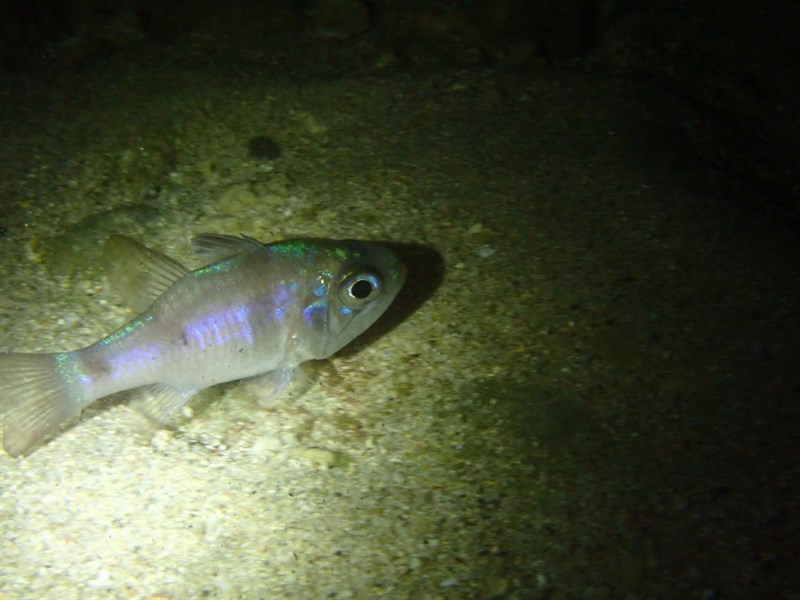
pixel 351 285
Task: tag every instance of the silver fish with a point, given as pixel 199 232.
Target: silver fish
pixel 256 308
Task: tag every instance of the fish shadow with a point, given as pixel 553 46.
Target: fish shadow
pixel 426 269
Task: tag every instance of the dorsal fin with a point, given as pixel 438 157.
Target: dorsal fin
pixel 137 273
pixel 213 247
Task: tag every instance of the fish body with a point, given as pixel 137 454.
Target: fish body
pixel 258 308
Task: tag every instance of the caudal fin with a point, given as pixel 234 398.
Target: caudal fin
pixel 35 399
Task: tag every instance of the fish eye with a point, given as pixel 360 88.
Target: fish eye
pixel 360 288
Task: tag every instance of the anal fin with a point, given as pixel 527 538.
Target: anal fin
pixel 161 402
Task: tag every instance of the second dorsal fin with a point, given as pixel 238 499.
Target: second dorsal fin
pixel 137 273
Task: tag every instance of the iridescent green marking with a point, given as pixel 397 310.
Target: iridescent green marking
pixel 310 250
pixel 68 368
pixel 341 254
pixel 222 266
pixel 125 330
pixel 296 248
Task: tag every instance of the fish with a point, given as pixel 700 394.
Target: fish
pixel 253 309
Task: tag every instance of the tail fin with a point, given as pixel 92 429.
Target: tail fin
pixel 35 399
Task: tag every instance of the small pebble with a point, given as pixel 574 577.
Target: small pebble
pixel 318 456
pixel 450 582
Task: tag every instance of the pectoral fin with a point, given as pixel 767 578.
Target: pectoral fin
pixel 291 381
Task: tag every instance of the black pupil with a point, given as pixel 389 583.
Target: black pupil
pixel 361 289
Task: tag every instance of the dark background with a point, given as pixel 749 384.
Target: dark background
pixel 722 76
